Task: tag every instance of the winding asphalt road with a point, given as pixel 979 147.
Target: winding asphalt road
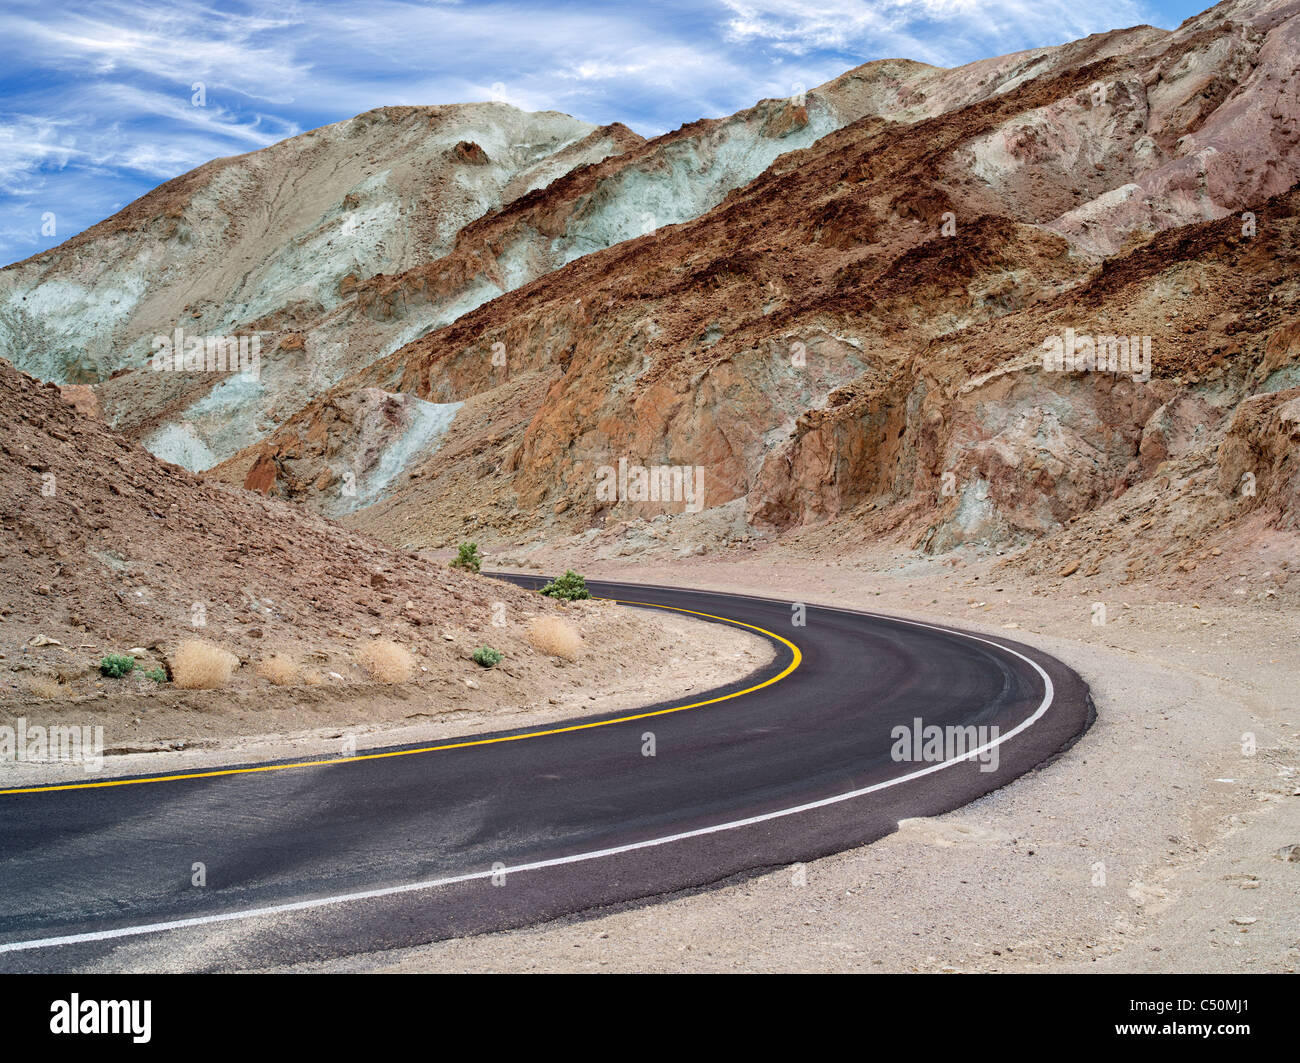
pixel 331 858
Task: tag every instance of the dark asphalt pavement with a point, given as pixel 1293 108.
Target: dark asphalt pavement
pixel 96 862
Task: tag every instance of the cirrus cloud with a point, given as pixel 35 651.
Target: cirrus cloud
pixel 99 94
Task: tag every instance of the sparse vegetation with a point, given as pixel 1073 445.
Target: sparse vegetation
pixel 158 675
pixel 570 587
pixel 468 557
pixel 279 669
pixel 386 662
pixel 556 637
pixel 199 665
pixel 487 657
pixel 44 687
pixel 116 665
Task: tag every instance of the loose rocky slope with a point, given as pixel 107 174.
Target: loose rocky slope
pixel 105 549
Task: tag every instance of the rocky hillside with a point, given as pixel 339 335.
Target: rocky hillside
pixel 339 246
pixel 830 312
pixel 105 548
pixel 858 332
pixel 256 243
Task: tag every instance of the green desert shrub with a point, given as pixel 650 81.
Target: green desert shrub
pixel 116 665
pixel 468 557
pixel 487 656
pixel 570 587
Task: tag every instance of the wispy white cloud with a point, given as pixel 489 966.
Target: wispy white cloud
pixel 936 31
pixel 99 91
pixel 175 43
pixel 28 145
pixel 211 119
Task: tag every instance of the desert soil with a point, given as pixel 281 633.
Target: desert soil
pixel 630 658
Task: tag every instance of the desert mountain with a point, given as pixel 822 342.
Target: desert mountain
pixel 836 307
pixel 339 246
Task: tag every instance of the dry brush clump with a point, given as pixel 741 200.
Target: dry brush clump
pixel 45 687
pixel 386 662
pixel 556 637
pixel 281 669
pixel 199 665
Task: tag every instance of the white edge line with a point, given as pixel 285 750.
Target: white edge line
pixel 1049 692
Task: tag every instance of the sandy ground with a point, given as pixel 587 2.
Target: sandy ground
pixel 1159 843
pixel 146 730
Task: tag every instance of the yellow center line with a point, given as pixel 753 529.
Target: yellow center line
pixel 794 663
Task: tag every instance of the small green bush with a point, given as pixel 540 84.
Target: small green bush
pixel 157 675
pixel 467 556
pixel 116 665
pixel 487 656
pixel 570 587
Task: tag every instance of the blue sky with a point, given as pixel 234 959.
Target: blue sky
pixel 97 99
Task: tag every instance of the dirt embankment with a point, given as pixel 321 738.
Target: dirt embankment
pixel 104 550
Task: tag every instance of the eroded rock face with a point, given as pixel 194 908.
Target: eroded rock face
pixel 127 547
pixel 993 449
pixel 857 334
pixel 81 398
pixel 348 456
pixel 1259 461
pixel 1213 126
pixel 224 251
pixel 407 219
pixel 468 151
pixel 222 248
pixel 835 307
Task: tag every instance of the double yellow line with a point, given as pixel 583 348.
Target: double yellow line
pixel 796 659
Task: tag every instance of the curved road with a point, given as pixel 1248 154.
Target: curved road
pixel 330 858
